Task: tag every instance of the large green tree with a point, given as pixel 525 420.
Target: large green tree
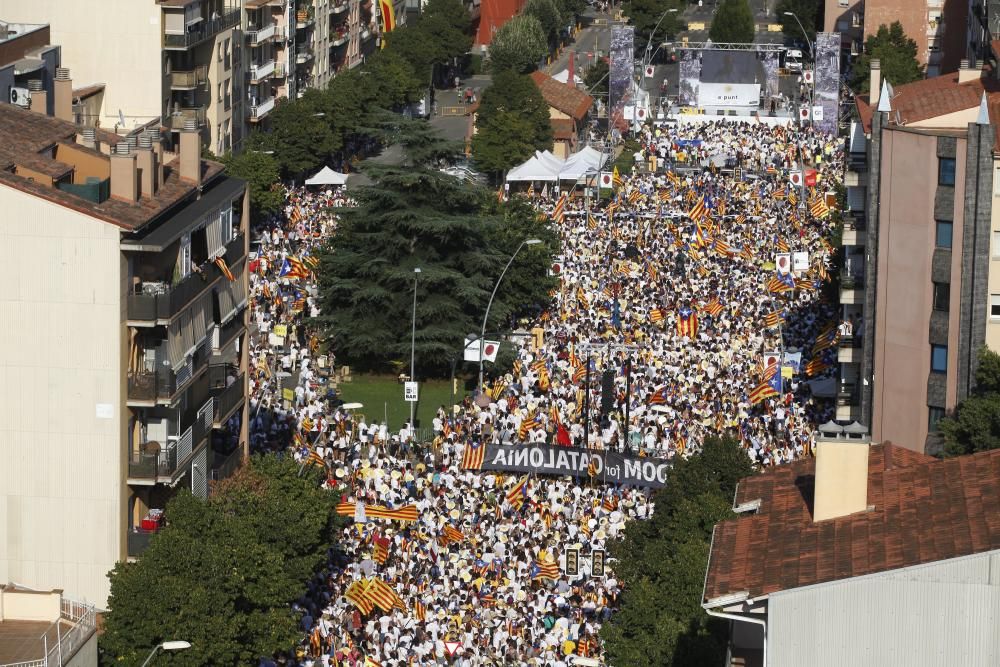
pixel 302 135
pixel 733 22
pixel 519 45
pixel 547 13
pixel 224 572
pixel 449 24
pixel 260 171
pixel 596 79
pixel 511 124
pixel 415 216
pixel 645 14
pixel 806 10
pixel 897 56
pixel 975 425
pixel 662 561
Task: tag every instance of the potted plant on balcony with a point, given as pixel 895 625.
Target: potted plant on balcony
pixel 302 14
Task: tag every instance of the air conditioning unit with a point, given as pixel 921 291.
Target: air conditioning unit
pixel 20 96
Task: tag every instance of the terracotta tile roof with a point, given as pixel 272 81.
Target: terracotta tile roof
pixel 930 98
pixel 563 97
pixel 925 510
pixel 27 133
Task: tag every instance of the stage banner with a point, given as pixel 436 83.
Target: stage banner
pixel 621 71
pixel 827 80
pixel 690 78
pixel 611 467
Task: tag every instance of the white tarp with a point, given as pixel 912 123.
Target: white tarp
pixel 550 160
pixel 327 176
pixel 533 170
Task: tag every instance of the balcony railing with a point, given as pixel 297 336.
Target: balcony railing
pixel 338 8
pixel 228 465
pixel 159 303
pixel 230 331
pixel 177 119
pixel 259 72
pixel 189 80
pixel 303 55
pixel 339 38
pixel 138 542
pixel 262 35
pixel 279 70
pixel 258 111
pixel 155 466
pixel 202 31
pixel 151 386
pixel 228 399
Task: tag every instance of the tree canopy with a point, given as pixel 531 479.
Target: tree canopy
pixel 644 15
pixel 975 424
pixel 662 562
pixel 415 216
pixel 260 171
pixel 897 56
pixel 223 573
pixel 519 45
pixel 511 124
pixel 547 13
pixel 300 138
pixel 808 13
pixel 733 22
pixel 596 79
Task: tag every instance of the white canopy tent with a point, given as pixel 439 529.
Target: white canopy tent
pixel 550 160
pixel 533 170
pixel 586 162
pixel 327 176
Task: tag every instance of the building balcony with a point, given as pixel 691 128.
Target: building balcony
pixel 302 56
pixel 258 37
pixel 279 71
pixel 338 7
pixel 260 110
pixel 152 386
pixel 189 80
pixel 202 31
pixel 176 120
pixel 260 72
pixel 224 467
pixel 849 350
pixel 852 289
pixel 339 38
pixel 156 303
pixel 852 236
pixel 228 400
pixel 304 18
pixel 165 463
pixel 138 542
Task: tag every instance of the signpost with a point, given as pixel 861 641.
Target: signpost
pixel 410 392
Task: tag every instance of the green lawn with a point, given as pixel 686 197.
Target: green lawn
pixel 382 397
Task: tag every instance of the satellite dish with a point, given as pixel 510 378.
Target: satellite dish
pixel 121 118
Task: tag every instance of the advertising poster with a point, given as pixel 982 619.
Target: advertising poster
pixel 827 93
pixel 621 70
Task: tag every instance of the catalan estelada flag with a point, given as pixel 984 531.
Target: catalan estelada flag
pixel 769 388
pixel 472 458
pixel 559 213
pixel 659 396
pixel 774 319
pixel 781 283
pixel 544 570
pixel 221 263
pixel 519 494
pixel 713 307
pixel 404 513
pixel 687 322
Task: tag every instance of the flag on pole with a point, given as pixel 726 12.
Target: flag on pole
pixel 616 179
pixel 687 322
pixel 519 494
pixel 774 319
pixel 472 458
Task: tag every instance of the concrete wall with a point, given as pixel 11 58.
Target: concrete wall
pixel 22 605
pixel 116 42
pixel 904 293
pixel 62 427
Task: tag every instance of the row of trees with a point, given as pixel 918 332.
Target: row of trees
pixel 661 563
pixel 457 234
pixel 522 43
pixel 306 132
pixel 224 572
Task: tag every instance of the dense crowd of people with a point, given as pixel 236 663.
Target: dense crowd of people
pixel 674 285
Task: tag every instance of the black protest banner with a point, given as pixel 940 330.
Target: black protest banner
pixel 611 467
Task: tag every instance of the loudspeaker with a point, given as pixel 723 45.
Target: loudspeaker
pixel 607 391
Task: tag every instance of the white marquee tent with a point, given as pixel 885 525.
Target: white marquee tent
pixel 327 176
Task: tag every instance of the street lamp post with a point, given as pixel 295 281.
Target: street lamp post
pixel 413 347
pixel 649 42
pixel 482 333
pixel 178 645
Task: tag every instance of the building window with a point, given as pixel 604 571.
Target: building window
pixel 995 306
pixel 996 245
pixel 942 296
pixel 227 225
pixel 939 358
pixel 942 234
pixel 934 415
pixel 185 256
pixel 946 171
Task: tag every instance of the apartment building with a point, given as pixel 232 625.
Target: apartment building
pixel 330 36
pixel 124 341
pixel 921 277
pixel 170 60
pixel 939 28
